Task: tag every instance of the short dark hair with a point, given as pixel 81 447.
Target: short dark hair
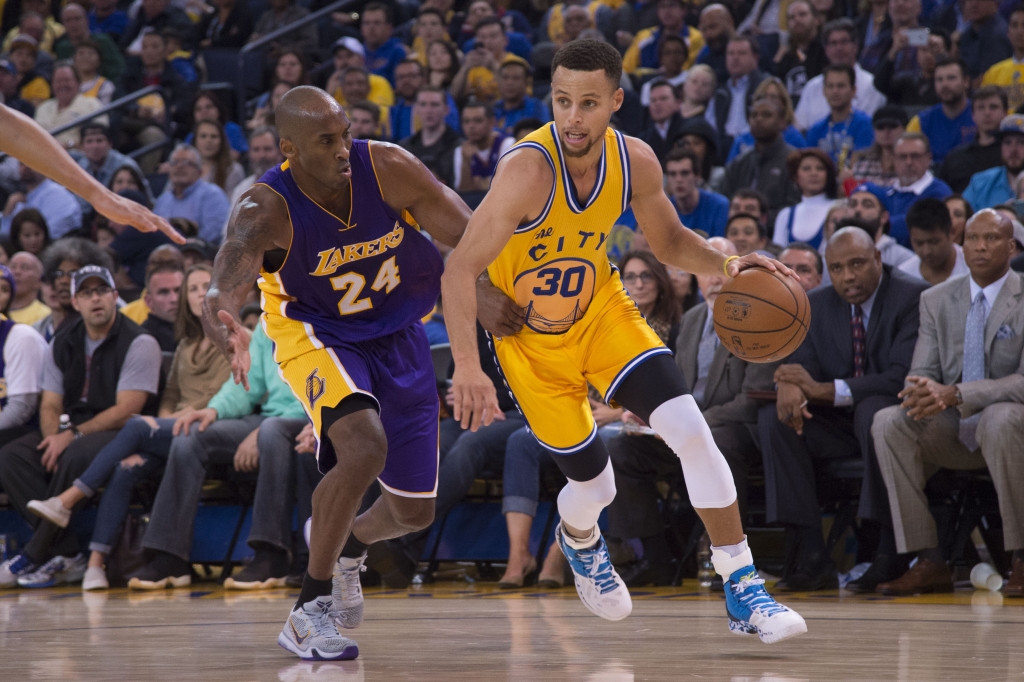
pixel 369 107
pixel 673 38
pixel 762 231
pixel 410 62
pixel 432 10
pixel 844 24
pixel 389 16
pixel 991 92
pixel 489 21
pixel 681 153
pixel 950 61
pixel 929 215
pixel 93 127
pixel 840 68
pixel 479 104
pixel 870 226
pixel 528 124
pixel 433 88
pixel 819 266
pixel 942 33
pixel 755 47
pixel 751 193
pixel 162 266
pixel 662 83
pixel 589 55
pixel 527 71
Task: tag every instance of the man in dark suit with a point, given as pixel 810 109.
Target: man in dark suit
pixel 665 122
pixel 720 384
pixel 733 98
pixel 851 365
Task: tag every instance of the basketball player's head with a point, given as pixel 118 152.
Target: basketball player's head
pixel 854 264
pixel 315 136
pixel 585 93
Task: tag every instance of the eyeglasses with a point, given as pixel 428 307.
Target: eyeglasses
pixel 632 277
pixel 101 290
pixel 911 157
pixel 57 274
pixel 183 162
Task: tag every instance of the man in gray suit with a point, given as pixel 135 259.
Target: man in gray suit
pixel 852 364
pixel 720 384
pixel 963 405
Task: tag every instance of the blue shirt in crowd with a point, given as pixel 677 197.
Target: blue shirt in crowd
pixel 385 58
pixel 402 118
pixel 745 142
pixel 518 44
pixel 58 205
pixel 899 199
pixel 710 215
pixel 989 188
pixel 204 203
pixel 530 108
pixel 945 133
pixel 851 134
pixel 116 23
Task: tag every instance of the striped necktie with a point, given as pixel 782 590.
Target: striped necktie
pixel 857 329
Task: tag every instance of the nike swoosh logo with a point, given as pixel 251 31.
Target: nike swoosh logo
pixel 298 639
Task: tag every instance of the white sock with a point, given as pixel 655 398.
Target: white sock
pixel 581 543
pixel 728 559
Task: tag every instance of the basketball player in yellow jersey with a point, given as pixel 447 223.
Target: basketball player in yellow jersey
pixel 540 234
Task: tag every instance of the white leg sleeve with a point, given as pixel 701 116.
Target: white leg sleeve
pixel 581 502
pixel 708 478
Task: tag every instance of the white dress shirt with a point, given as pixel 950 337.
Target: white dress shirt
pixel 813 107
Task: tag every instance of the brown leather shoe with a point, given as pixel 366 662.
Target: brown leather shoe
pixel 925 576
pixel 1015 585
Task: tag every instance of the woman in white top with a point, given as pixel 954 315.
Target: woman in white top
pixel 814 174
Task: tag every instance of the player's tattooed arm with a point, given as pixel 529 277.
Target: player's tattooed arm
pixel 259 222
pixel 410 186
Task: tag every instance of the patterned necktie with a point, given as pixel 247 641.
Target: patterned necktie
pixel 857 328
pixel 974 362
pixel 705 355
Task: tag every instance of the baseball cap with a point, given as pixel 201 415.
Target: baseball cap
pixel 88 272
pixel 349 43
pixel 8 67
pixel 24 39
pixel 870 187
pixel 890 114
pixel 1012 125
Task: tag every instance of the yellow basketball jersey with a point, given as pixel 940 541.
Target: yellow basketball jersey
pixel 556 266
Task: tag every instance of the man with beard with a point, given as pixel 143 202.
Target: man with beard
pixel 995 186
pixel 717 27
pixel 989 108
pixel 949 123
pixel 804 57
pixel 60 259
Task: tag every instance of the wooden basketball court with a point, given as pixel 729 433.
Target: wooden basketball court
pixel 458 631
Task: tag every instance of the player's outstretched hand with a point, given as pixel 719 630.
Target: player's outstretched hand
pixel 475 400
pixel 238 348
pixel 756 260
pixel 498 313
pixel 127 212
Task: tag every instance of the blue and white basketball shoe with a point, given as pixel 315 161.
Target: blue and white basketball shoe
pixel 597 583
pixel 752 611
pixel 311 633
pixel 14 568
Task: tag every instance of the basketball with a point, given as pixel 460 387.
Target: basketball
pixel 762 316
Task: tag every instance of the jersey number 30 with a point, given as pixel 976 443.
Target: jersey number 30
pixel 352 284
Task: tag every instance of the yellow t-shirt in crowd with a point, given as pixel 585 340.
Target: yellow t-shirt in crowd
pixel 481 83
pixel 1009 75
pixel 137 311
pixel 30 314
pixel 381 93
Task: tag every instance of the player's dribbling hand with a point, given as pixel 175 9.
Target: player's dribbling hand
pixel 475 401
pixel 238 348
pixel 756 260
pixel 127 212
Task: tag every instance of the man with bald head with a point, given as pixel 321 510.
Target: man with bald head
pixel 346 279
pixel 850 366
pixel 717 27
pixel 963 405
pixel 721 383
pixel 25 306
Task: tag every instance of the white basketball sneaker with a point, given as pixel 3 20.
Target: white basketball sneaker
pixel 311 633
pixel 597 583
pixel 348 592
pixel 752 611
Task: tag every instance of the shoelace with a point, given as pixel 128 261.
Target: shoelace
pixel 751 594
pixel 351 579
pixel 323 622
pixel 599 568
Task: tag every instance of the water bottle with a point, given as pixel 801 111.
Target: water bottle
pixel 65 423
pixel 705 569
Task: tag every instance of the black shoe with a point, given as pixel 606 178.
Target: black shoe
pixel 165 570
pixel 812 574
pixel 395 568
pixel 884 568
pixel 268 569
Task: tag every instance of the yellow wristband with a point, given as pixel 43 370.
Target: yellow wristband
pixel 725 265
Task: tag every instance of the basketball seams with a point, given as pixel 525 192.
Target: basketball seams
pixel 796 315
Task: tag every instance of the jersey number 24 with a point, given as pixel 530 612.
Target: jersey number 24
pixel 352 283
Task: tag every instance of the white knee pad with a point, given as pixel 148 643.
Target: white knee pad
pixel 581 502
pixel 708 478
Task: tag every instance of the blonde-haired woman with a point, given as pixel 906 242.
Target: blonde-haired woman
pixel 771 88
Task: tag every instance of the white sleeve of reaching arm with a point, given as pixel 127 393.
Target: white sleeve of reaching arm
pixel 19 409
pixel 23 360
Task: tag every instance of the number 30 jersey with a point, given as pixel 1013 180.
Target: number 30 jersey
pixel 557 267
pixel 347 280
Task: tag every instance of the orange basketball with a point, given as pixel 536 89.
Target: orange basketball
pixel 762 316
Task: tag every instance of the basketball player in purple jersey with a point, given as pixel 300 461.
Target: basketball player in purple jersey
pixel 346 279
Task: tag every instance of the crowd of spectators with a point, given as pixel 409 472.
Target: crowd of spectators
pixel 861 145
